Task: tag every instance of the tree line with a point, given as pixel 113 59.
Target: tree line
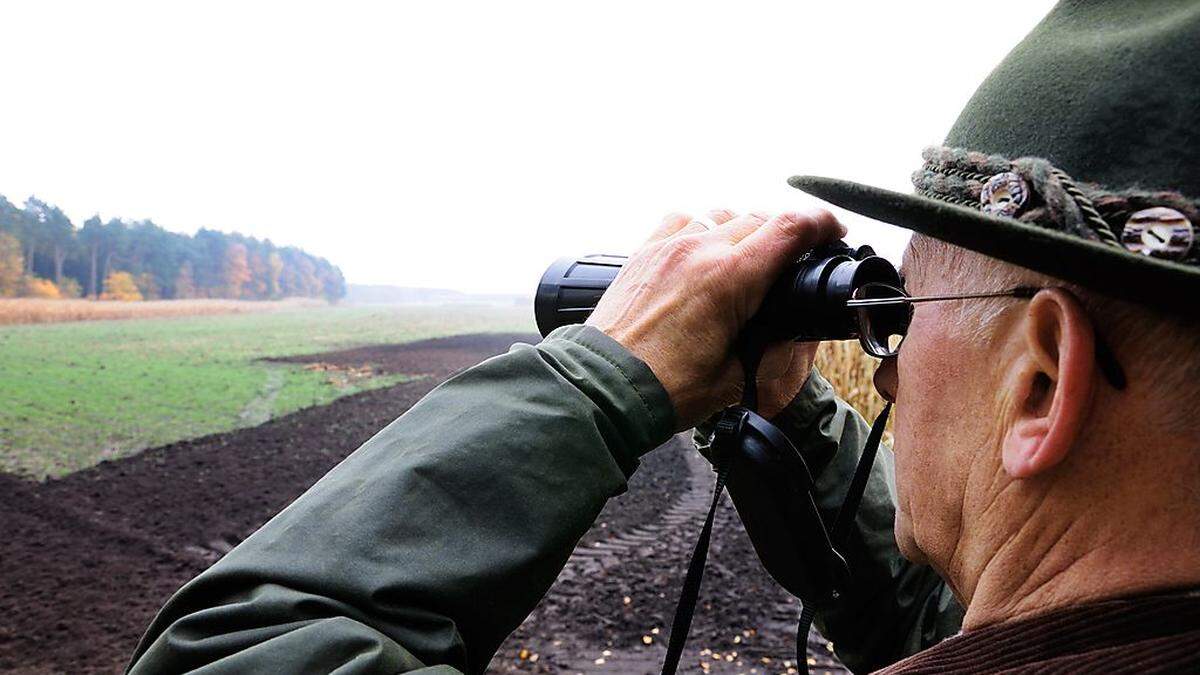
pixel 43 254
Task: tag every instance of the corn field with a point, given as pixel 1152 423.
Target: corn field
pixel 849 369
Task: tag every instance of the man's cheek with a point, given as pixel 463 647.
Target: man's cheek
pixel 905 541
pixel 900 447
pixel 915 472
pixel 904 529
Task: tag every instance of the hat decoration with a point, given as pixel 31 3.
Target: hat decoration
pixel 1160 224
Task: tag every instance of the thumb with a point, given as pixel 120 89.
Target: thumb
pixel 784 238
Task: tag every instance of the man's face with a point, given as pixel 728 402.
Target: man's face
pixel 943 383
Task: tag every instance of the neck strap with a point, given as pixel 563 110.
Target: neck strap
pixel 726 440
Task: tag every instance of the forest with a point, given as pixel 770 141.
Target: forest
pixel 43 254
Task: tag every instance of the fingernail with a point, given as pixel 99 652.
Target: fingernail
pixel 826 217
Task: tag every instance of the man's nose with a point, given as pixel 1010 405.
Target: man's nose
pixel 886 380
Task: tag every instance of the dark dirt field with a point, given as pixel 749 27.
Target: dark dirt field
pixel 87 560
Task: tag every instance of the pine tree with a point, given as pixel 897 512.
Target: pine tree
pixel 148 286
pixel 12 265
pixel 185 285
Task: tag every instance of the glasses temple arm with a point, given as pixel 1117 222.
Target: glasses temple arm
pixel 1105 359
pixel 1018 292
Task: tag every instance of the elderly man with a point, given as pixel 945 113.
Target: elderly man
pixel 1045 461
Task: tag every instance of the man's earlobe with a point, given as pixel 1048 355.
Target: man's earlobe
pixel 1053 386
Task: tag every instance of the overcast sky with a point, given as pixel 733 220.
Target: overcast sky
pixel 468 144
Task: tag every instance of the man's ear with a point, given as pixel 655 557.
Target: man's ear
pixel 1053 384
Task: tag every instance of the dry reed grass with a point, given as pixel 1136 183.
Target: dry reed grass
pixel 33 310
pixel 849 369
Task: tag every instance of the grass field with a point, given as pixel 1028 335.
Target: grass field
pixel 72 394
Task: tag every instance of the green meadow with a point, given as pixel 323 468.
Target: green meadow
pixel 73 394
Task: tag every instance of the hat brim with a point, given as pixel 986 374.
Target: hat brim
pixel 1167 285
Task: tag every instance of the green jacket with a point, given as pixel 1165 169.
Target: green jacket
pixel 429 544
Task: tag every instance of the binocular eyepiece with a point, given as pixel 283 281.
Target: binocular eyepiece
pixel 806 303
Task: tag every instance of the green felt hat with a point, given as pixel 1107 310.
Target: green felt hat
pixel 1078 157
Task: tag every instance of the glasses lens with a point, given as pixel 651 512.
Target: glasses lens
pixel 882 327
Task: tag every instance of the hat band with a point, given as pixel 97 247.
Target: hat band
pixel 1160 224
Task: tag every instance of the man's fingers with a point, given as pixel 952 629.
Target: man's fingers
pixel 671 223
pixel 700 225
pixel 718 221
pixel 682 223
pixel 721 216
pixel 739 228
pixel 783 238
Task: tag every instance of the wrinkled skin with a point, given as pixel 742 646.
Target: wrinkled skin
pixel 685 331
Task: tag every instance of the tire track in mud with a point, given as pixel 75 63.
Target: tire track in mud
pixel 610 610
pixel 686 515
pixel 686 512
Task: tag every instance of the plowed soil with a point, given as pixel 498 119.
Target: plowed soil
pixel 86 561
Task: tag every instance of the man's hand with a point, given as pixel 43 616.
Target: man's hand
pixel 680 301
pixel 783 372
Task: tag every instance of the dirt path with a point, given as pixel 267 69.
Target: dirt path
pixel 259 410
pixel 87 560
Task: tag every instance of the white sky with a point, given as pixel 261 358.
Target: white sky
pixel 468 144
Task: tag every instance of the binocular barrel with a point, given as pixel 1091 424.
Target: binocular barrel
pixel 571 288
pixel 807 302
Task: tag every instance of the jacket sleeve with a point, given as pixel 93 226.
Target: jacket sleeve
pixel 429 544
pixel 893 608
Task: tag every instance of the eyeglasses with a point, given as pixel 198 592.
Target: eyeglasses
pixel 884 313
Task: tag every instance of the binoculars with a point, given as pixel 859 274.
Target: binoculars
pixel 835 292
pixel 811 300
